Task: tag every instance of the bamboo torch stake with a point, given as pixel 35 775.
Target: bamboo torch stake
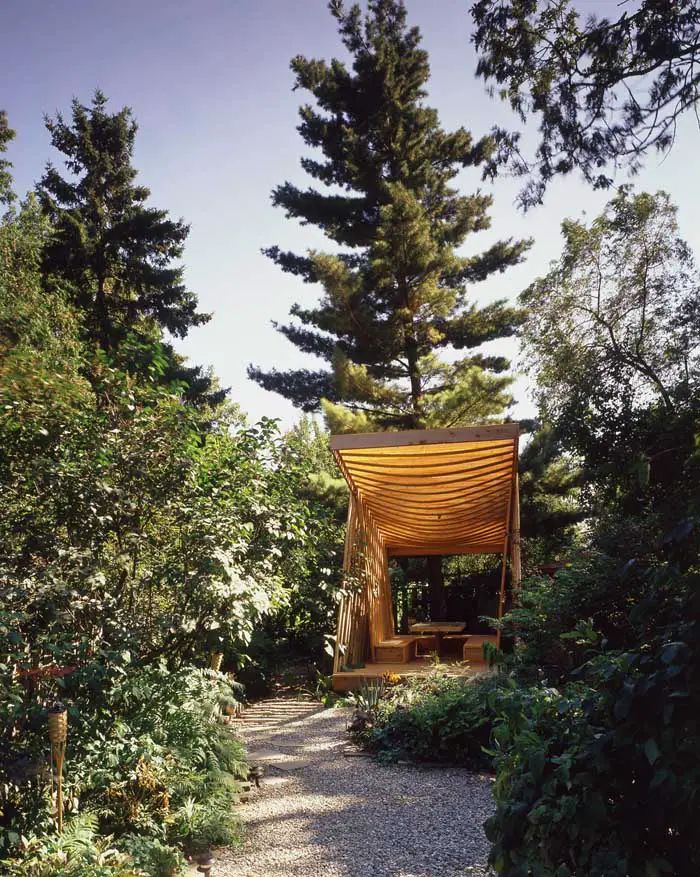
pixel 58 733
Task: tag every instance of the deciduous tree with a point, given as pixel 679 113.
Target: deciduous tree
pixel 605 91
pixel 612 336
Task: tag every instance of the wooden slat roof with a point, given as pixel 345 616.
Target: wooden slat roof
pixel 436 491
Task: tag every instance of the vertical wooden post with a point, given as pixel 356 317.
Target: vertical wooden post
pixel 502 592
pixel 345 603
pixel 515 537
pixel 509 507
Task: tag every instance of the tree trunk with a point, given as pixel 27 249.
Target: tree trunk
pixel 436 588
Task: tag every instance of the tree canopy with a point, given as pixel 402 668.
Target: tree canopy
pixel 396 295
pixel 119 257
pixel 612 340
pixel 605 91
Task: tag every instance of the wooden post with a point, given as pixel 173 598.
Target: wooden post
pixel 345 601
pixel 515 537
pixel 502 592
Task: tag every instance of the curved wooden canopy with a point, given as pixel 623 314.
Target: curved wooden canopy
pixel 437 491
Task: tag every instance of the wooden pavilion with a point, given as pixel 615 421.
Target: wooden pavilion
pixel 417 493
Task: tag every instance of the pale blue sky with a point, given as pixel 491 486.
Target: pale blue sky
pixel 210 85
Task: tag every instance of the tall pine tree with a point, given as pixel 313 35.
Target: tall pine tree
pixel 118 256
pixel 396 294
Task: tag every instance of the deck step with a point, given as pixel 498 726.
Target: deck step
pixel 399 649
pixel 350 680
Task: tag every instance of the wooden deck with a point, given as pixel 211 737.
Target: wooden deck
pixel 348 680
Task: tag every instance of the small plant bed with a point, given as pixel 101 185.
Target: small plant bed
pixel 151 777
pixel 435 718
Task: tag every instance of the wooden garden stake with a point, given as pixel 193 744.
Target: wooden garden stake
pixel 58 733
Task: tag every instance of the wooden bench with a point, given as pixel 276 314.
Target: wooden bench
pixel 425 644
pixel 453 643
pixel 473 647
pixel 397 650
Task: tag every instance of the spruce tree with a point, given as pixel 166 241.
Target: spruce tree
pixel 396 293
pixel 118 256
pixel 6 135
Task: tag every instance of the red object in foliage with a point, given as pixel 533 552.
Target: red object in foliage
pixel 45 672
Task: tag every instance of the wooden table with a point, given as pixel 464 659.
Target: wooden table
pixel 438 628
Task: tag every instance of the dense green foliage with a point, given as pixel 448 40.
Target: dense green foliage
pixel 117 256
pixel 396 296
pixel 295 636
pixel 147 758
pixel 612 341
pixel 433 718
pixel 139 532
pixel 600 775
pixel 606 91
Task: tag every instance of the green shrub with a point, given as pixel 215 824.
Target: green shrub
pixel 560 623
pixel 154 858
pixel 78 852
pixel 432 718
pixel 155 740
pixel 200 826
pixel 602 776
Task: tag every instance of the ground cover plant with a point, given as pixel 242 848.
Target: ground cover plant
pixel 435 717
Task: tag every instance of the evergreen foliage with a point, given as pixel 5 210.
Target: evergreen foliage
pixel 550 482
pixel 117 255
pixel 6 135
pixel 395 290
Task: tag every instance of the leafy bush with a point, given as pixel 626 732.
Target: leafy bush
pixel 198 826
pixel 152 856
pixel 559 624
pixel 78 852
pixel 431 718
pixel 155 742
pixel 602 777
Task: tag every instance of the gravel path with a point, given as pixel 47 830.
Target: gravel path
pixel 319 812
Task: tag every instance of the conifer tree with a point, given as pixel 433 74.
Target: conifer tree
pixel 396 294
pixel 118 256
pixel 6 135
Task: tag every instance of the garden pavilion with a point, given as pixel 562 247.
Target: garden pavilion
pixel 418 493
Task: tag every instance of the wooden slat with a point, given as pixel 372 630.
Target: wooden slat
pixel 455 500
pixel 445 549
pixel 426 490
pixel 474 509
pixel 414 437
pixel 418 454
pixel 437 534
pixel 462 460
pixel 420 480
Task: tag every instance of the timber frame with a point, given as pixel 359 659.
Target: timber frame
pixel 414 493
